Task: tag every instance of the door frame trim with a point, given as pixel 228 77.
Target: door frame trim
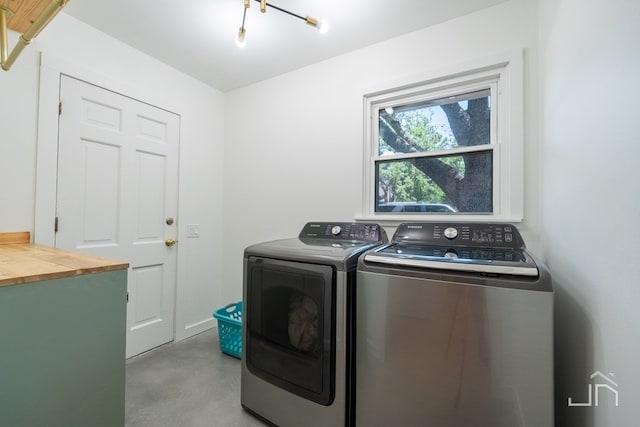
pixel 51 70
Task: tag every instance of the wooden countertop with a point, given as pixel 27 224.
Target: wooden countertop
pixel 24 262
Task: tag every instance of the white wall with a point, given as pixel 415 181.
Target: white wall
pixel 72 47
pixel 18 116
pixel 294 143
pixel 590 63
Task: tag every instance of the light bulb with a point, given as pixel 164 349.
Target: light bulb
pixel 320 24
pixel 323 26
pixel 241 40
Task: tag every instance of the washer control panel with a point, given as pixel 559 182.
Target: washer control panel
pixel 365 232
pixel 460 234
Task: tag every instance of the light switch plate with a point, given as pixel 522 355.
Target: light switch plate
pixel 193 230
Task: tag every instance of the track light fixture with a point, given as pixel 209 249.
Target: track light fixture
pixel 321 25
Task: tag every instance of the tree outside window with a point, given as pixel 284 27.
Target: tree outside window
pixel 425 143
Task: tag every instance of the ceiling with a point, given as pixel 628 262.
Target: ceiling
pixel 197 37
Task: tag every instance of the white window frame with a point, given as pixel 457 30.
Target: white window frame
pixel 504 76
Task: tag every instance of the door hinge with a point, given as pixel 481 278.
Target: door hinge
pixel 127 296
pixel 55 225
pixel 60 108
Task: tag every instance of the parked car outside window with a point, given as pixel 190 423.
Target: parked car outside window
pixel 396 207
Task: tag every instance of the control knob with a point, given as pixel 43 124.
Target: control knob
pixel 450 233
pixel 336 229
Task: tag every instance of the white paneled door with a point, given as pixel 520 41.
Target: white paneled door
pixel 117 197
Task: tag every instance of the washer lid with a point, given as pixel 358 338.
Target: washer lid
pixel 337 243
pixel 488 260
pixel 344 255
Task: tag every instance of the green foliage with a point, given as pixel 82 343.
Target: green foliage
pixel 406 182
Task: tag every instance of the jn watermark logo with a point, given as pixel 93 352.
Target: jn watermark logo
pixel 599 381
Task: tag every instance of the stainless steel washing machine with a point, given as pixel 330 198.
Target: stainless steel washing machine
pixel 454 328
pixel 297 356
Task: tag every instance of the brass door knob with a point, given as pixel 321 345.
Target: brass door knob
pixel 169 242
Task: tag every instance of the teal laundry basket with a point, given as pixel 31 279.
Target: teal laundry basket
pixel 230 329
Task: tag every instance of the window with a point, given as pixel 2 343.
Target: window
pixel 450 146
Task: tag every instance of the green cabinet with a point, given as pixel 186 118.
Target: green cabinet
pixel 62 351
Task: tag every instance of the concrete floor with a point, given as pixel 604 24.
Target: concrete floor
pixel 187 384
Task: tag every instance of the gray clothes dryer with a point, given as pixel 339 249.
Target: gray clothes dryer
pixel 297 356
pixel 454 328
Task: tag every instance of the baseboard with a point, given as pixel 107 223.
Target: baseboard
pixel 195 329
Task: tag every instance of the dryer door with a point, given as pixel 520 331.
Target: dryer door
pixel 290 336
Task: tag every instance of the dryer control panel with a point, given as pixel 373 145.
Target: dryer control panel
pixel 460 234
pixel 343 231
